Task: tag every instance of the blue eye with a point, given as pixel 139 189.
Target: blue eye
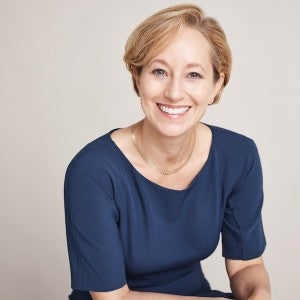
pixel 159 72
pixel 194 75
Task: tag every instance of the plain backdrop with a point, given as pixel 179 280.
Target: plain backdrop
pixel 63 83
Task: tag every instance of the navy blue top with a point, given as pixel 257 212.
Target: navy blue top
pixel 123 228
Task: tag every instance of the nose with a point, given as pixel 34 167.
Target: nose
pixel 174 89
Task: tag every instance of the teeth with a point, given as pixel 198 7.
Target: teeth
pixel 173 111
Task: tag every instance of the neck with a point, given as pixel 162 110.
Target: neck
pixel 166 151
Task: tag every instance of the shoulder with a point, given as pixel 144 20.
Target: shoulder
pixel 237 155
pixel 230 136
pixel 235 150
pixel 231 141
pixel 95 156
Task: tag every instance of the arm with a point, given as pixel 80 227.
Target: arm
pixel 125 294
pixel 248 279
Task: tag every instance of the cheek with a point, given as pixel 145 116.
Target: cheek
pixel 199 92
pixel 150 88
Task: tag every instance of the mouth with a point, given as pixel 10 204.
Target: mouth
pixel 173 111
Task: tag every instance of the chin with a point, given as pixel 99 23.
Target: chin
pixel 174 130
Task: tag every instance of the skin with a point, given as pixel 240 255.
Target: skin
pixel 181 77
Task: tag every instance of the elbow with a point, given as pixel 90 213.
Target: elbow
pixel 122 293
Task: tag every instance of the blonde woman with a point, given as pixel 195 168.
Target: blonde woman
pixel 145 204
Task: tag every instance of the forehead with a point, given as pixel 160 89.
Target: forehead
pixel 189 46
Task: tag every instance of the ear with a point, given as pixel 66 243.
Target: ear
pixel 217 87
pixel 211 101
pixel 136 77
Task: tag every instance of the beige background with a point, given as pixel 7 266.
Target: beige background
pixel 63 83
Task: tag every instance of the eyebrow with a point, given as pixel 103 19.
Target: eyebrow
pixel 190 65
pixel 161 61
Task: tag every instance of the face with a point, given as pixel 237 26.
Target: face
pixel 176 86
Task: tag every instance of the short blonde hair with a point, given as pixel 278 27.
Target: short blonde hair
pixel 154 34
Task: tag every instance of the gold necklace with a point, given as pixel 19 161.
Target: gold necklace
pixel 152 164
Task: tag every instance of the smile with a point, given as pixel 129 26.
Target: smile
pixel 173 110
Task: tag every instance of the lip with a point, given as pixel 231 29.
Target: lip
pixel 173 106
pixel 174 115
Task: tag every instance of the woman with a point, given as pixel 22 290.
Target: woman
pixel 145 204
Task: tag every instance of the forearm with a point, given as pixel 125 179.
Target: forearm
pixel 132 295
pixel 126 294
pixel 252 283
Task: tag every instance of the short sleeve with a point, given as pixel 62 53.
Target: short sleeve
pixel 242 232
pixel 94 244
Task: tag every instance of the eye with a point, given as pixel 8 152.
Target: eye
pixel 159 72
pixel 194 75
